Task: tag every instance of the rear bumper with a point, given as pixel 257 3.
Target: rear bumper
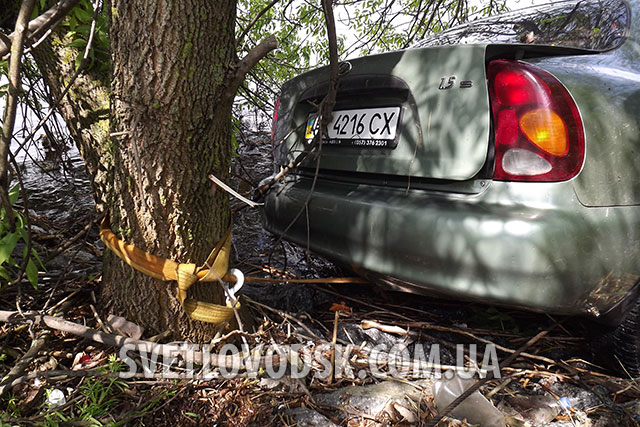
pixel 529 245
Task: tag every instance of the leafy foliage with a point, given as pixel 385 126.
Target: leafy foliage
pixel 78 26
pixel 363 27
pixel 9 246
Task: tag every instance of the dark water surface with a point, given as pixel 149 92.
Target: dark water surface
pixel 60 194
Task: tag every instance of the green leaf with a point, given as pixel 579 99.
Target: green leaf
pixel 73 23
pixel 32 273
pixel 24 236
pixel 7 245
pixel 82 15
pixel 19 222
pixel 35 255
pixel 79 43
pixel 84 29
pixel 14 193
pixel 102 37
pixel 4 273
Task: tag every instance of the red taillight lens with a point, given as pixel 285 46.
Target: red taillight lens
pixel 275 121
pixel 515 87
pixel 538 130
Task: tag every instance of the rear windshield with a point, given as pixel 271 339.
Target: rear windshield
pixel 591 24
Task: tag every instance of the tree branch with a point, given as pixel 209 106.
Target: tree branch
pixel 254 20
pixel 38 26
pixel 10 109
pixel 324 110
pixel 22 364
pixel 246 64
pixel 232 361
pixel 6 42
pixel 53 107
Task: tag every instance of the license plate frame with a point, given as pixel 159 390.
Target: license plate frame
pixel 374 127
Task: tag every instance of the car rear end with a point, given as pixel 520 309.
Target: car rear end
pixel 457 170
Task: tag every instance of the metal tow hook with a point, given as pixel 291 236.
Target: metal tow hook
pixel 231 292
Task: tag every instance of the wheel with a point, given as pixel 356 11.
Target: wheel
pixel 618 348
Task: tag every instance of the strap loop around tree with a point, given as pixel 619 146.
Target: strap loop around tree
pixel 184 274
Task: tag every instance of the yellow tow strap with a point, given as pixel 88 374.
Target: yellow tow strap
pixel 188 274
pixel 184 274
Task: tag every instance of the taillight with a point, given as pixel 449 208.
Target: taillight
pixel 537 127
pixel 275 121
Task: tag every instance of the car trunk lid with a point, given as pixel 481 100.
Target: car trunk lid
pixel 419 112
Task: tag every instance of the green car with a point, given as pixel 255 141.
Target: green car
pixel 494 162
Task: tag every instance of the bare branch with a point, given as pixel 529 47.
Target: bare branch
pixel 325 108
pixel 22 364
pixel 12 101
pixel 113 340
pixel 6 42
pixel 71 82
pixel 40 25
pixel 246 64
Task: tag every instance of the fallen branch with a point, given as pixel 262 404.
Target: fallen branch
pixel 226 362
pixel 23 363
pixel 368 324
pixel 59 374
pixel 70 242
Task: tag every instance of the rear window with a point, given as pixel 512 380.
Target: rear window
pixel 591 24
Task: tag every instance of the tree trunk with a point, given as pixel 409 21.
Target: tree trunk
pixel 85 109
pixel 170 62
pixel 170 128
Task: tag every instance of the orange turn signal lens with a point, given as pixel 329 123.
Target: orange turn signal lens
pixel 546 129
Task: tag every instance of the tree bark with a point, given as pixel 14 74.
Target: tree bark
pixel 85 109
pixel 170 125
pixel 170 64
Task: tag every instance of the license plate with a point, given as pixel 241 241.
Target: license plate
pixel 367 127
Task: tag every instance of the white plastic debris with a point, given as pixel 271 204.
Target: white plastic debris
pixel 476 409
pixel 56 398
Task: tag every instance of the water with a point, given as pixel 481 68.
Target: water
pixel 59 194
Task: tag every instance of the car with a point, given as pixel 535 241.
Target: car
pixel 494 162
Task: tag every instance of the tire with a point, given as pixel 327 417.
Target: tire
pixel 619 348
